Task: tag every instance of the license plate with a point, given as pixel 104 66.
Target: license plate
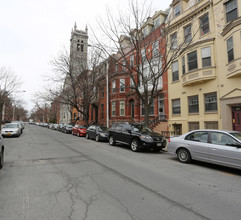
pixel 159 144
pixel 8 133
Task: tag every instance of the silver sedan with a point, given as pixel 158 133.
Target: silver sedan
pixel 212 146
pixel 11 129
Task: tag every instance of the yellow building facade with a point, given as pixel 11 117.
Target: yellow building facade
pixel 204 87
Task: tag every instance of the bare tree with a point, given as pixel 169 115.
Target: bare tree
pixel 144 57
pixel 9 84
pixel 73 82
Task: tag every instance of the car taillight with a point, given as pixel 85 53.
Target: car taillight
pixel 169 140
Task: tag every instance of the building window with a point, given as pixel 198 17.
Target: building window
pixel 176 107
pixel 187 34
pixel 204 24
pixel 175 73
pixel 102 93
pixel 231 10
pixel 192 60
pixel 132 60
pixel 211 102
pixel 174 41
pixel 116 68
pixel 113 86
pixel 122 85
pixel 124 65
pixel 102 111
pixel 144 31
pixel 211 124
pixel 177 10
pixel 151 112
pixel 230 49
pixel 82 48
pixel 122 108
pixel 193 104
pixel 206 56
pixel 157 22
pixel 193 126
pixel 132 84
pixel 143 55
pixel 113 109
pixel 155 49
pixel 183 65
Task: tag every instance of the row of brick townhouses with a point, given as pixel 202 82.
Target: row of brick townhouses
pixel 117 79
pixel 202 87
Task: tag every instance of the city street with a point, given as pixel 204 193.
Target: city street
pixel 51 175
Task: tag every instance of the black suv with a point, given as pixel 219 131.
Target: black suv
pixel 137 136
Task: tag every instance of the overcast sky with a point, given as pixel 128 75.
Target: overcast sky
pixel 33 31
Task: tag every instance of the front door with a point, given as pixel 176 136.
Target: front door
pixel 132 110
pixel 237 119
pixel 177 129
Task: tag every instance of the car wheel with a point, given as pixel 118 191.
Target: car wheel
pixel 112 141
pixel 1 159
pixel 97 138
pixel 78 134
pixel 87 136
pixel 135 146
pixel 183 155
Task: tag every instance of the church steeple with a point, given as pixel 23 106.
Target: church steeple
pixel 75 26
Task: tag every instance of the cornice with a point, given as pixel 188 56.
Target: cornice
pixel 231 25
pixel 197 43
pixel 188 17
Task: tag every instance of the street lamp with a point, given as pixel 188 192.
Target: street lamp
pixel 15 105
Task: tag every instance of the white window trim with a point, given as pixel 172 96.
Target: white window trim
pixel 121 109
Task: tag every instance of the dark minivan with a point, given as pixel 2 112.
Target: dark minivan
pixel 137 136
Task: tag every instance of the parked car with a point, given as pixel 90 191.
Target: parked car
pixel 45 125
pixel 1 152
pixel 212 146
pixel 67 129
pixel 50 125
pixel 99 133
pixel 79 130
pixel 20 123
pixel 11 129
pixel 137 136
pixel 60 126
pixel 54 127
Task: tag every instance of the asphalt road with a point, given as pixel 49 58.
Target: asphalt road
pixel 50 175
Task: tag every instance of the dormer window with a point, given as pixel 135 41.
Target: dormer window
pixel 144 31
pixel 157 22
pixel 177 10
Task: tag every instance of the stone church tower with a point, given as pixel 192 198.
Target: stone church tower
pixel 78 48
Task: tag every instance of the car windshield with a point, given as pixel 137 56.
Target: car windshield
pixel 237 135
pixel 11 126
pixel 69 126
pixel 82 127
pixel 141 128
pixel 102 128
